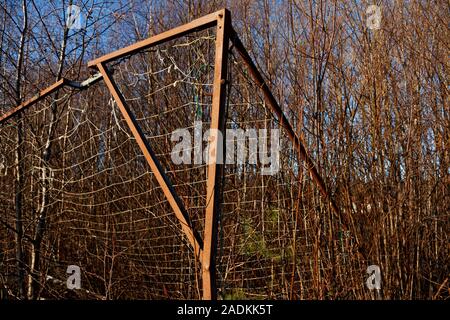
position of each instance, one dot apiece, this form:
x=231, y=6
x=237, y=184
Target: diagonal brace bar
x=163, y=180
x=298, y=143
x=41, y=95
x=49, y=90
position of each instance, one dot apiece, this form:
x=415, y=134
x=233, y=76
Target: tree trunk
x=19, y=155
x=34, y=278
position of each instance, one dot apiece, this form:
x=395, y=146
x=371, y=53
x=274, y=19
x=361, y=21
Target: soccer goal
x=172, y=173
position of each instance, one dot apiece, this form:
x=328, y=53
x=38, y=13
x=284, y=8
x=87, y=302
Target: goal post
x=211, y=192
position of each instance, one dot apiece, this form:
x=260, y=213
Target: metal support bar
x=164, y=181
x=297, y=141
x=44, y=93
x=41, y=95
x=215, y=170
x=197, y=25
x=86, y=83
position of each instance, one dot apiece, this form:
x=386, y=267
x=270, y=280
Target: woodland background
x=371, y=105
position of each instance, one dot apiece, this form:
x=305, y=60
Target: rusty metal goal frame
x=204, y=247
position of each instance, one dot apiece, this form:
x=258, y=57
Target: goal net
x=75, y=189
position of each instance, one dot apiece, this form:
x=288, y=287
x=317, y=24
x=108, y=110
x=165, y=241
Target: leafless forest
x=371, y=106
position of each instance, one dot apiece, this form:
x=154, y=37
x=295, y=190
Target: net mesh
x=278, y=238
x=85, y=182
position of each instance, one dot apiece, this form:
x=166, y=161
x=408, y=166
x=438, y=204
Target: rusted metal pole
x=215, y=169
x=197, y=25
x=296, y=140
x=41, y=95
x=47, y=91
x=166, y=186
